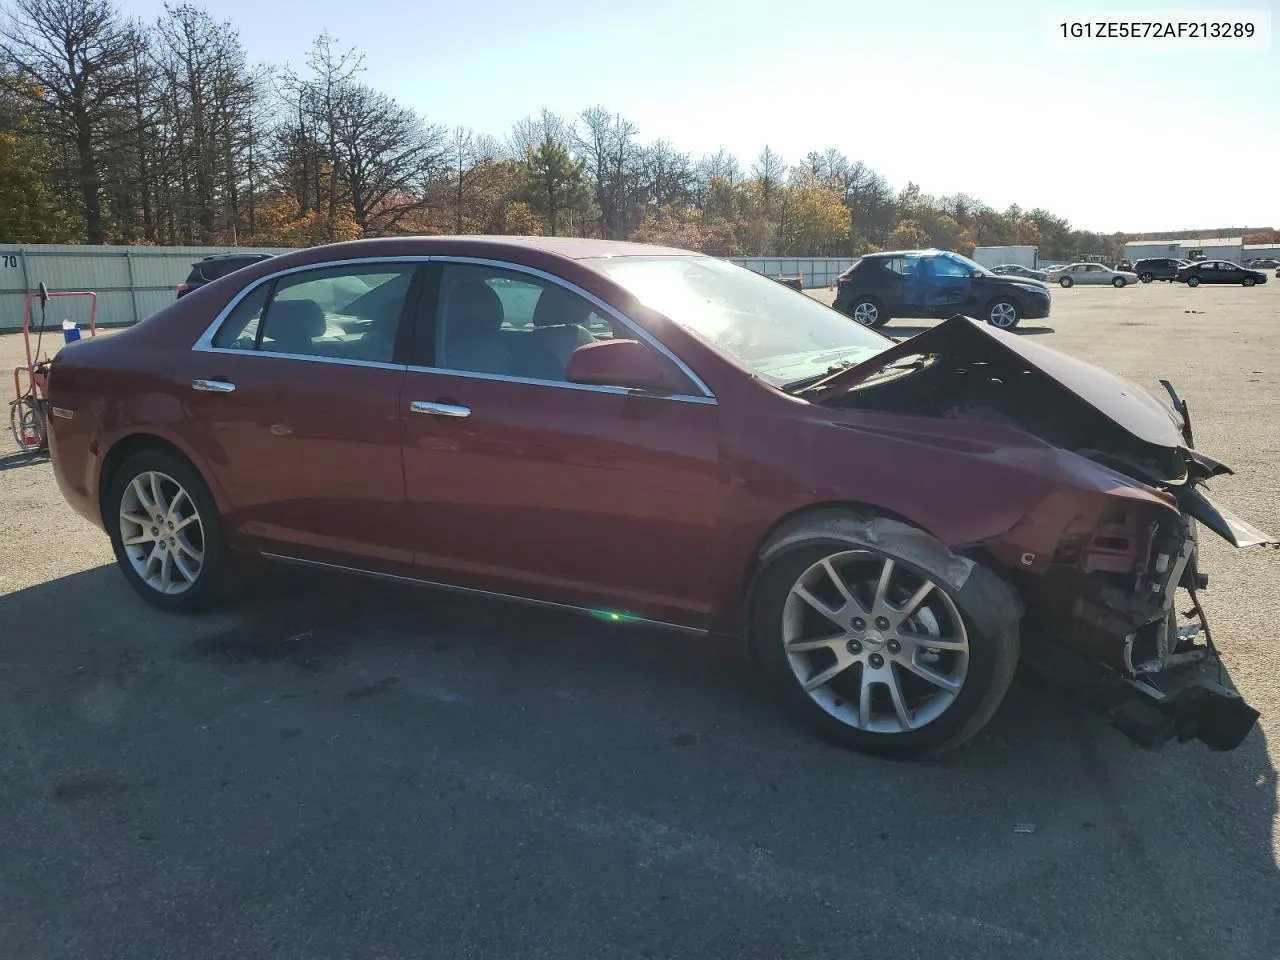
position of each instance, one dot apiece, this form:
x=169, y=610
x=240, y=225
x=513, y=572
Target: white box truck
x=995, y=256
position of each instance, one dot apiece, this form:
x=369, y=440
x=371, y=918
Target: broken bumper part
x=1189, y=703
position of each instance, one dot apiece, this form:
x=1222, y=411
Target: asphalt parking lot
x=341, y=768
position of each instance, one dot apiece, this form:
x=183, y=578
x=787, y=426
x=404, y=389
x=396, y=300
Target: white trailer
x=995, y=256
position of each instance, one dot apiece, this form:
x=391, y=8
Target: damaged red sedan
x=656, y=436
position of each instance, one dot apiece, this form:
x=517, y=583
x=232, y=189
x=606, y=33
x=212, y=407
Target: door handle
x=212, y=386
x=439, y=409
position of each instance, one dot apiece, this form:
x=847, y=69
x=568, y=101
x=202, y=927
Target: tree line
x=119, y=131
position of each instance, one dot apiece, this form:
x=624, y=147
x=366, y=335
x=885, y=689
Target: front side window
x=341, y=313
x=783, y=336
x=946, y=267
x=508, y=323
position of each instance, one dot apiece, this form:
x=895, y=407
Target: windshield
x=781, y=335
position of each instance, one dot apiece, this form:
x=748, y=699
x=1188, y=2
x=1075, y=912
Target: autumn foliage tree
x=113, y=130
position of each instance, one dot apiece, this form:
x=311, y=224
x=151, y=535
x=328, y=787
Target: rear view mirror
x=615, y=363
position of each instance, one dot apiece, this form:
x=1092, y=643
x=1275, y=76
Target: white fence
x=813, y=271
x=134, y=282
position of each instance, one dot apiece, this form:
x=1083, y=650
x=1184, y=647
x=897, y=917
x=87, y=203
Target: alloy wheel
x=162, y=534
x=1003, y=315
x=875, y=644
x=866, y=313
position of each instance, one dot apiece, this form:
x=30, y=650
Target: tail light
x=843, y=279
x=183, y=288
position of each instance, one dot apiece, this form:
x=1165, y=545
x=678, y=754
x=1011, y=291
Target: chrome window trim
x=204, y=344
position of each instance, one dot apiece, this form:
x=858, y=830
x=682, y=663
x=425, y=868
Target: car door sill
x=607, y=615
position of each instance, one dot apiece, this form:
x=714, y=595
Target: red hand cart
x=29, y=411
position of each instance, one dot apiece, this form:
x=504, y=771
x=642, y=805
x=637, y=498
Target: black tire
x=1193, y=281
x=993, y=657
x=1003, y=302
x=215, y=576
x=1249, y=281
x=869, y=307
x=1066, y=282
x=1146, y=277
x=1118, y=282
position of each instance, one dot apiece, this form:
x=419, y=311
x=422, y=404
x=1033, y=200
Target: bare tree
x=75, y=53
x=768, y=170
x=386, y=154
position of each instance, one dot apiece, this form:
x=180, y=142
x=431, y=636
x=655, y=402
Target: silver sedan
x=1074, y=273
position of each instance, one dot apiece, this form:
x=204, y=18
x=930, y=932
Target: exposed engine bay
x=1121, y=587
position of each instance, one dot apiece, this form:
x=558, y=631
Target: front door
x=295, y=401
x=950, y=286
x=520, y=482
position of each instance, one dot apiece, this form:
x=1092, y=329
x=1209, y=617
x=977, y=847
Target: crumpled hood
x=966, y=369
x=1127, y=405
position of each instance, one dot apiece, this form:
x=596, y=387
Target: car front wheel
x=1003, y=314
x=1066, y=281
x=165, y=531
x=1249, y=281
x=1118, y=282
x=869, y=313
x=877, y=653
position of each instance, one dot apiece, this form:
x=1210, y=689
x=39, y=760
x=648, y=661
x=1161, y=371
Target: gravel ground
x=338, y=768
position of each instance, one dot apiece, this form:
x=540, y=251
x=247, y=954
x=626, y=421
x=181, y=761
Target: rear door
x=294, y=398
x=522, y=483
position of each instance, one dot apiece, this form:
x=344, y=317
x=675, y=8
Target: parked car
x=1125, y=266
x=935, y=283
x=1074, y=273
x=1263, y=263
x=1018, y=270
x=654, y=436
x=216, y=266
x=1219, y=271
x=1158, y=268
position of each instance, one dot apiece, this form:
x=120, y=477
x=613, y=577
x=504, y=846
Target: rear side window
x=345, y=313
x=240, y=330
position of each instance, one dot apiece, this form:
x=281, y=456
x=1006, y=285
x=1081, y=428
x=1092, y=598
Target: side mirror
x=44, y=294
x=615, y=363
x=974, y=274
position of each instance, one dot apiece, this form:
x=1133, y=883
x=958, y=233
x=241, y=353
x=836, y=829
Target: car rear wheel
x=1066, y=281
x=1003, y=314
x=165, y=531
x=1193, y=281
x=1249, y=281
x=869, y=312
x=1145, y=277
x=1118, y=282
x=875, y=652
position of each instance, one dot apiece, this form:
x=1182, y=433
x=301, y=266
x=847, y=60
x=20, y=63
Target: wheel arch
x=993, y=597
x=127, y=445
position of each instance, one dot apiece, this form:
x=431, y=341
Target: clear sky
x=957, y=96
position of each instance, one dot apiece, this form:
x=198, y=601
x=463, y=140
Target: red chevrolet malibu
x=667, y=438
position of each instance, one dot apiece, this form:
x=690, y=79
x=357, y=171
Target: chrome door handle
x=212, y=386
x=439, y=409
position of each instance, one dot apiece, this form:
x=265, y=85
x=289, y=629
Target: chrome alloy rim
x=162, y=534
x=1003, y=315
x=866, y=314
x=873, y=643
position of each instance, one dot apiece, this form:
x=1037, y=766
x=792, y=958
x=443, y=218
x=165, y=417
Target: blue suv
x=936, y=284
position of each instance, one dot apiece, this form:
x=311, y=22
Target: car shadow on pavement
x=12, y=461
x=617, y=733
